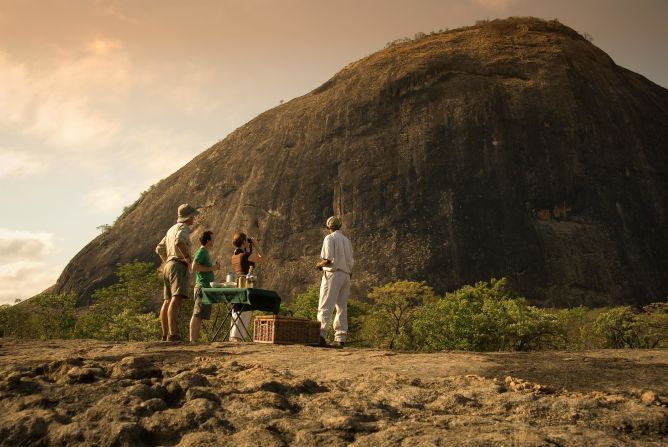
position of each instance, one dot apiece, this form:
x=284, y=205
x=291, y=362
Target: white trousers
x=334, y=292
x=237, y=329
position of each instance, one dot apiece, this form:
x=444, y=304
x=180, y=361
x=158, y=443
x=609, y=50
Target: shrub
x=653, y=326
x=128, y=326
x=576, y=328
x=483, y=317
x=622, y=327
x=305, y=304
x=391, y=311
x=618, y=328
x=46, y=316
x=120, y=310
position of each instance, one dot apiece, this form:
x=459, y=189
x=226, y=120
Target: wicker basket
x=285, y=330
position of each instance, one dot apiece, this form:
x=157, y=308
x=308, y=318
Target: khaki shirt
x=167, y=246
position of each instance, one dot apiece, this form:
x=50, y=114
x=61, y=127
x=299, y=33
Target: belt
x=336, y=271
x=178, y=260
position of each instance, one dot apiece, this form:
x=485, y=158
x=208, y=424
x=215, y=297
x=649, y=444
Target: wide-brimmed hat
x=334, y=223
x=186, y=212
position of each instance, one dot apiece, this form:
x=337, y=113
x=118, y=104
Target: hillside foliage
x=402, y=315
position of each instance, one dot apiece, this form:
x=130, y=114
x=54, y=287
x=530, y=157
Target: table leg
x=228, y=316
x=238, y=322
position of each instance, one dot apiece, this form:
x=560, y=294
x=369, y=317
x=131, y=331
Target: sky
x=101, y=99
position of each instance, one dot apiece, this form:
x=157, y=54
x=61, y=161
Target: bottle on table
x=250, y=278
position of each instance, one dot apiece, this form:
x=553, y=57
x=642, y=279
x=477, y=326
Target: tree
x=622, y=327
x=653, y=325
x=575, y=328
x=55, y=315
x=5, y=311
x=618, y=327
x=483, y=317
x=305, y=304
x=128, y=326
x=45, y=316
x=123, y=311
x=392, y=309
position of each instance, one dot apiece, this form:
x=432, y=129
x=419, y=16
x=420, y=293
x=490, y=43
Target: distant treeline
x=403, y=315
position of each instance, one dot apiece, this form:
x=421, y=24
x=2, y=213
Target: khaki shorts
x=176, y=279
x=200, y=309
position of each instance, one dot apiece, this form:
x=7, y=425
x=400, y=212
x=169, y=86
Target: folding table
x=240, y=300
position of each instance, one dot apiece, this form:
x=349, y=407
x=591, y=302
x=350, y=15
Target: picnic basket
x=285, y=330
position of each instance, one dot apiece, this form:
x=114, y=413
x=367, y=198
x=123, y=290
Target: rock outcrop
x=514, y=148
x=226, y=394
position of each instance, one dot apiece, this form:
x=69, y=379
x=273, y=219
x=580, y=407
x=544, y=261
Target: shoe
x=323, y=343
x=164, y=338
x=236, y=340
x=173, y=338
x=339, y=344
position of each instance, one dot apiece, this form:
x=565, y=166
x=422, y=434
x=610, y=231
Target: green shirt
x=202, y=258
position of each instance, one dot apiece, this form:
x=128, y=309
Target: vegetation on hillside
x=403, y=315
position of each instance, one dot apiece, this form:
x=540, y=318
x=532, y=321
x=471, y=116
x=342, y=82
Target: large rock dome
x=512, y=148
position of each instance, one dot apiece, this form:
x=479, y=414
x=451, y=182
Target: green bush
x=123, y=311
x=487, y=316
x=577, y=328
x=305, y=305
x=622, y=327
x=391, y=311
x=483, y=317
x=618, y=327
x=46, y=317
x=653, y=326
x=128, y=326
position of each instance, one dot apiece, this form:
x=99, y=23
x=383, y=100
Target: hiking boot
x=173, y=338
x=164, y=338
x=339, y=344
x=323, y=343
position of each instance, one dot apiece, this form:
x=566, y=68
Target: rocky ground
x=102, y=393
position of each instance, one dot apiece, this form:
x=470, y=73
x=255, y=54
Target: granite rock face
x=514, y=148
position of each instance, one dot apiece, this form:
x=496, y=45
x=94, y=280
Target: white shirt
x=338, y=249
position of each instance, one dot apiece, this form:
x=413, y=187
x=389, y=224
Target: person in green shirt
x=203, y=268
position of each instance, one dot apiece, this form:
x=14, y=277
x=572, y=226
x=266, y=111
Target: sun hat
x=186, y=212
x=334, y=223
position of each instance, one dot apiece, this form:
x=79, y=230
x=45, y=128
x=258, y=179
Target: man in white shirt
x=336, y=264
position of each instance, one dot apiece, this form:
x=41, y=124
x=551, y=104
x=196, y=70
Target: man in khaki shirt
x=174, y=249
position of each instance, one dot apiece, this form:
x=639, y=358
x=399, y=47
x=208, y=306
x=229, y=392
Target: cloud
x=103, y=47
x=494, y=4
x=157, y=153
x=66, y=101
x=19, y=164
x=24, y=269
x=25, y=279
x=24, y=246
x=14, y=96
x=93, y=102
x=187, y=94
x=108, y=200
x=113, y=10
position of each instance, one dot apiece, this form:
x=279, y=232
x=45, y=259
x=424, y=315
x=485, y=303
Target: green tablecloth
x=244, y=299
